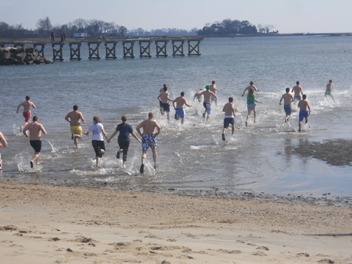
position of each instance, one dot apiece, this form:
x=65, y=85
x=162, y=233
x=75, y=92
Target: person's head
x=251, y=83
x=35, y=118
x=207, y=87
x=27, y=98
x=304, y=96
x=150, y=115
x=124, y=119
x=200, y=89
x=287, y=90
x=164, y=86
x=182, y=94
x=96, y=120
x=297, y=82
x=230, y=99
x=330, y=81
x=75, y=107
x=212, y=82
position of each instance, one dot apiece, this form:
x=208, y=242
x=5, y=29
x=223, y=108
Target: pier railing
x=128, y=47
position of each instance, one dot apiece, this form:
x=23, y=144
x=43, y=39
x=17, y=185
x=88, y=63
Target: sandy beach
x=49, y=224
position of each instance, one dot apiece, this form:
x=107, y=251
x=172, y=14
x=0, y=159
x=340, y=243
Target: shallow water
x=264, y=157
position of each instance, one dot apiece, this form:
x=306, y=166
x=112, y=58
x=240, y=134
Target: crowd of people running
x=149, y=129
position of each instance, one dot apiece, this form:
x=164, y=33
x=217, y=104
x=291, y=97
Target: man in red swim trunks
x=27, y=107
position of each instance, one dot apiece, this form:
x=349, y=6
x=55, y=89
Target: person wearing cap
x=207, y=101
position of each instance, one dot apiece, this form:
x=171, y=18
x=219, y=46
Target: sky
x=287, y=16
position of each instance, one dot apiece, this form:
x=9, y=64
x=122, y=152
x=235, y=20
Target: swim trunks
x=327, y=93
x=207, y=106
x=303, y=114
x=288, y=109
x=76, y=130
x=251, y=107
x=165, y=107
x=27, y=116
x=36, y=145
x=180, y=113
x=148, y=141
x=297, y=98
x=228, y=121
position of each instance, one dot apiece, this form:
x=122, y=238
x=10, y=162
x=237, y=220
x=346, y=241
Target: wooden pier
x=128, y=47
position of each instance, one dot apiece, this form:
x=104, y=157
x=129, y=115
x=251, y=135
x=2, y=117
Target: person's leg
x=255, y=115
x=154, y=156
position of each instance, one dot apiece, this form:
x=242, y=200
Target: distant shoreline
x=347, y=34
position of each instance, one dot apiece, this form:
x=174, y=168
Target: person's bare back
x=229, y=109
x=74, y=118
x=35, y=130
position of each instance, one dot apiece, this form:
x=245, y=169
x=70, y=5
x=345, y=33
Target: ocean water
x=268, y=156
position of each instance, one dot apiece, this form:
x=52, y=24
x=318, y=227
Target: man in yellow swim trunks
x=74, y=118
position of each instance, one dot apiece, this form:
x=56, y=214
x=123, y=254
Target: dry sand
x=46, y=224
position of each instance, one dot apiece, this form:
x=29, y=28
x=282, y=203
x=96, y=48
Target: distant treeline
x=97, y=29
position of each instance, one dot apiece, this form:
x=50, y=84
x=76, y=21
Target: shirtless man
x=250, y=89
x=27, y=107
x=328, y=91
x=180, y=102
x=207, y=101
x=3, y=144
x=198, y=95
x=288, y=99
x=298, y=91
x=74, y=118
x=251, y=100
x=229, y=110
x=35, y=132
x=304, y=111
x=151, y=129
x=164, y=102
x=214, y=90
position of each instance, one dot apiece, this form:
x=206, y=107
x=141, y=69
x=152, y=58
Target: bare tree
x=44, y=25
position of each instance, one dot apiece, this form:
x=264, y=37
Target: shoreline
x=57, y=224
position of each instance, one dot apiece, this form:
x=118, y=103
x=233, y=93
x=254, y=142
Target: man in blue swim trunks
x=151, y=129
x=35, y=132
x=304, y=111
x=229, y=119
x=179, y=103
x=288, y=99
x=208, y=95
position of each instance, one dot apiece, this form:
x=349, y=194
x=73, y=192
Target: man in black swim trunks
x=35, y=132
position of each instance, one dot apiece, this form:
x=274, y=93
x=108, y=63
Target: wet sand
x=46, y=224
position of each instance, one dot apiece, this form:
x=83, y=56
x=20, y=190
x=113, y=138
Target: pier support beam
x=93, y=48
x=39, y=48
x=177, y=48
x=193, y=47
x=57, y=51
x=144, y=48
x=75, y=51
x=110, y=49
x=161, y=46
x=128, y=49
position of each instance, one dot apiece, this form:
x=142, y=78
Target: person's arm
x=282, y=97
x=308, y=108
x=43, y=129
x=244, y=91
x=18, y=107
x=67, y=117
x=82, y=118
x=159, y=97
x=138, y=128
x=213, y=94
x=112, y=135
x=135, y=136
x=24, y=131
x=173, y=103
x=3, y=142
x=158, y=128
x=33, y=105
x=104, y=134
x=187, y=104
